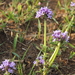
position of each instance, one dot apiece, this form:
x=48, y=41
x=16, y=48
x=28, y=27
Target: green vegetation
x=25, y=12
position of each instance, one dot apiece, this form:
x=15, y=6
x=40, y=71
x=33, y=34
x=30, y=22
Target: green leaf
x=54, y=43
x=72, y=54
x=2, y=43
x=33, y=73
x=71, y=45
x=16, y=54
x=15, y=41
x=19, y=7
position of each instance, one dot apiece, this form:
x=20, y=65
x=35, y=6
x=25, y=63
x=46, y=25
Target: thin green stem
x=31, y=70
x=44, y=32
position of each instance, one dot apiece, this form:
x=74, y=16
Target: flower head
x=8, y=66
x=72, y=4
x=44, y=11
x=39, y=60
x=60, y=36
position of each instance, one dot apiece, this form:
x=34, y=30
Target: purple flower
x=43, y=11
x=65, y=36
x=72, y=4
x=8, y=66
x=60, y=36
x=5, y=63
x=39, y=60
x=42, y=61
x=10, y=70
x=12, y=64
x=35, y=62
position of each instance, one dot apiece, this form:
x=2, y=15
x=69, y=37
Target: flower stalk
x=51, y=60
x=44, y=66
x=48, y=13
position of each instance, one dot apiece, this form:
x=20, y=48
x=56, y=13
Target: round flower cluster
x=60, y=36
x=8, y=66
x=39, y=60
x=72, y=4
x=43, y=11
